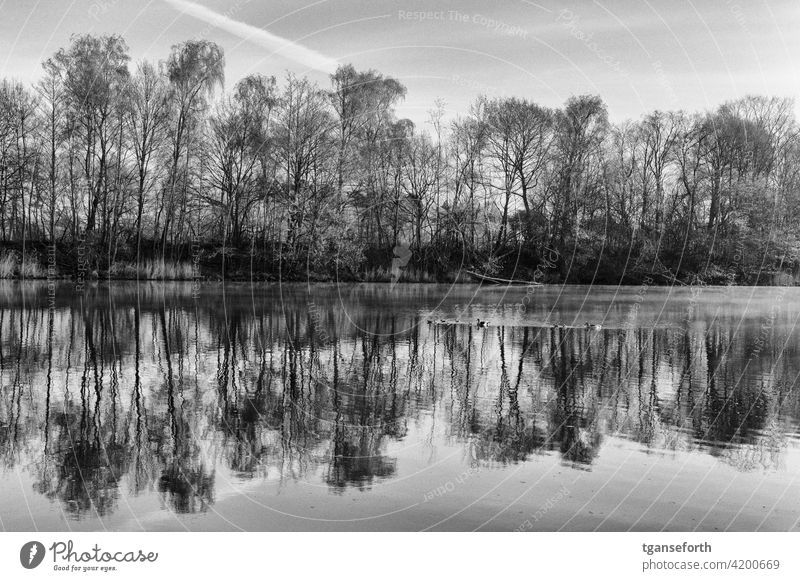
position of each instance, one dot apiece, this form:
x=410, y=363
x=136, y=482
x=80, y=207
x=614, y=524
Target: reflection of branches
x=364, y=416
x=187, y=488
x=272, y=397
x=356, y=459
x=87, y=464
x=762, y=454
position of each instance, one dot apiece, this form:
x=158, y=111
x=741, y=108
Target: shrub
x=8, y=264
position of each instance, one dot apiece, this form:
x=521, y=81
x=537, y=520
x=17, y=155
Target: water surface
x=339, y=407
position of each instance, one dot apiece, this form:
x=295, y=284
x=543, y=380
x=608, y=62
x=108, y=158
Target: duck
x=595, y=326
x=482, y=324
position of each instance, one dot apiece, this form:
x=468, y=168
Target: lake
x=169, y=406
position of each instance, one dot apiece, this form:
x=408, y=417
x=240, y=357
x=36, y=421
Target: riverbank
x=165, y=272
x=211, y=262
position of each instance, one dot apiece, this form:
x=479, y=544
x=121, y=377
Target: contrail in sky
x=282, y=46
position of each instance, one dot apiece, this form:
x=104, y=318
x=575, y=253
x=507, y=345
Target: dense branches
x=157, y=160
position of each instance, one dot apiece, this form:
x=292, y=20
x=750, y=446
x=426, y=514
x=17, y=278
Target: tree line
x=108, y=165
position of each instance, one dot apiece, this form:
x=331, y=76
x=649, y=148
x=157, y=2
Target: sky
x=639, y=55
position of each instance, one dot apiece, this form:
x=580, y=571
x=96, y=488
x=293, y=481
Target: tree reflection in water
x=144, y=389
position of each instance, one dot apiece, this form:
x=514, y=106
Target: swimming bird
x=595, y=326
x=482, y=323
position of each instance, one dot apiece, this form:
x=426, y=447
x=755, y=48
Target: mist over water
x=341, y=407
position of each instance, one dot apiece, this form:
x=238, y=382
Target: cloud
x=279, y=45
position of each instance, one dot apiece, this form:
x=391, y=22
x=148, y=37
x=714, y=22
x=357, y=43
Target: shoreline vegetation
x=235, y=268
x=115, y=169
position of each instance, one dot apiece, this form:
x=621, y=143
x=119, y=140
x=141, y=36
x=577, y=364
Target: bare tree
x=147, y=116
x=194, y=68
x=95, y=73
